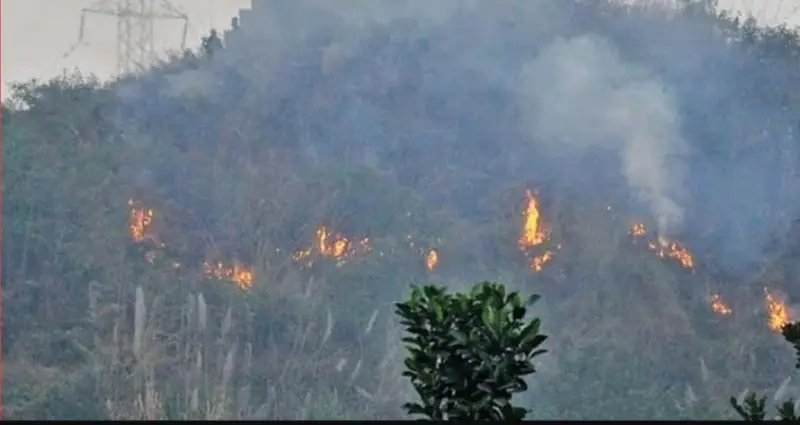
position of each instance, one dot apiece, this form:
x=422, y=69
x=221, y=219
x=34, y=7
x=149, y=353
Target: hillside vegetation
x=225, y=236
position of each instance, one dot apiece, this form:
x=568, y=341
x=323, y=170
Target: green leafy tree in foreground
x=752, y=408
x=468, y=353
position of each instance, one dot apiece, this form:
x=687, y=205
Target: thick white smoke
x=580, y=95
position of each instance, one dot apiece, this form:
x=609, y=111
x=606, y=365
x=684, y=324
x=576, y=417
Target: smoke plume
x=582, y=96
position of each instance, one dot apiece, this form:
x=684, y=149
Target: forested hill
x=223, y=236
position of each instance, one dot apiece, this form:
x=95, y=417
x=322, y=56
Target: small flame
x=720, y=306
x=672, y=249
x=238, y=274
x=665, y=248
x=533, y=232
x=538, y=262
x=777, y=311
x=334, y=246
x=432, y=259
x=140, y=220
x=638, y=230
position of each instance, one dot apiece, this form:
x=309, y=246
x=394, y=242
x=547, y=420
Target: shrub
x=469, y=352
x=752, y=408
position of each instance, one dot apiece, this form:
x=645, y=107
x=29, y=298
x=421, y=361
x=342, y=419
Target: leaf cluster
x=468, y=353
x=753, y=408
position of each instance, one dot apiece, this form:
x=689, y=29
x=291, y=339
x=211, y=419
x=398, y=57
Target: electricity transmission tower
x=135, y=35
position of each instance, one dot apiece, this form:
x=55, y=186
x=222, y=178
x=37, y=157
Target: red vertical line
x=1, y=220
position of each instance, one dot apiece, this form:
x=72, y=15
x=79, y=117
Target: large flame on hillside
x=778, y=314
x=534, y=232
x=336, y=246
x=665, y=248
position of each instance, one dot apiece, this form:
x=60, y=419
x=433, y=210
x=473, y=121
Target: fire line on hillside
x=531, y=241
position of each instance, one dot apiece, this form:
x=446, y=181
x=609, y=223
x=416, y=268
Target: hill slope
x=223, y=237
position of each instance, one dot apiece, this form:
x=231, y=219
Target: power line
x=135, y=23
x=65, y=55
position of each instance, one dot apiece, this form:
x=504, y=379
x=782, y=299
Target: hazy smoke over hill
x=535, y=93
x=584, y=96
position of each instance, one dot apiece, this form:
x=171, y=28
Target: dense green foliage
x=469, y=353
x=243, y=151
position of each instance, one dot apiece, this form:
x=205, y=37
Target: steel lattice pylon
x=135, y=22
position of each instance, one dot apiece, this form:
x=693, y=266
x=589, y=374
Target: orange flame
x=432, y=259
x=719, y=306
x=238, y=274
x=533, y=232
x=665, y=248
x=777, y=311
x=140, y=220
x=139, y=224
x=538, y=262
x=333, y=245
x=638, y=229
x=672, y=249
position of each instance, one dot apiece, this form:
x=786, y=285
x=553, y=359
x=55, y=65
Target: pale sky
x=37, y=33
